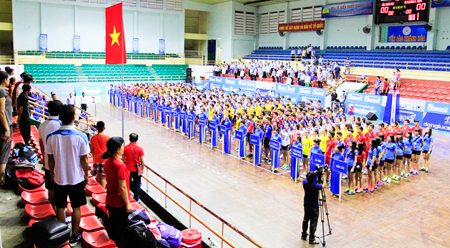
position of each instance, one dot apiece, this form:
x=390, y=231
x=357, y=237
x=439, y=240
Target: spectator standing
x=98, y=148
x=67, y=151
x=348, y=63
x=377, y=85
x=47, y=127
x=299, y=54
x=337, y=71
x=334, y=100
x=54, y=97
x=71, y=100
x=133, y=154
x=23, y=111
x=293, y=54
x=385, y=87
x=84, y=102
x=5, y=126
x=118, y=191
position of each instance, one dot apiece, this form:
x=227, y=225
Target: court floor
x=269, y=208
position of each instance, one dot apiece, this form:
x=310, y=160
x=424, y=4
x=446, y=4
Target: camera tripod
x=323, y=212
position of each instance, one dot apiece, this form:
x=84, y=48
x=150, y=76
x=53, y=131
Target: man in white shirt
x=48, y=126
x=67, y=151
x=71, y=100
x=84, y=101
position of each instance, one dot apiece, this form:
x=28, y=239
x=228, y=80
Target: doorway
x=211, y=52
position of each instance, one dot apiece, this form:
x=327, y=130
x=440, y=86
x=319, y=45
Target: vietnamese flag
x=115, y=36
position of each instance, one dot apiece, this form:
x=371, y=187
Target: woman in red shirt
x=118, y=192
x=385, y=87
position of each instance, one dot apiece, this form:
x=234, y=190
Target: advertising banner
x=440, y=3
x=76, y=44
x=436, y=121
x=396, y=34
x=411, y=109
x=43, y=43
x=135, y=45
x=347, y=9
x=365, y=103
x=162, y=46
x=91, y=90
x=301, y=26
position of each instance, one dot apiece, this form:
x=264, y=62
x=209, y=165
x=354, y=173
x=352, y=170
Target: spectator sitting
x=362, y=79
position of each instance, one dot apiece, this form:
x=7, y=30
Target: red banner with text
x=301, y=26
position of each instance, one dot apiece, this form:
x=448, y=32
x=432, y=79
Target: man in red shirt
x=331, y=143
x=380, y=129
x=348, y=140
x=133, y=154
x=369, y=136
x=405, y=128
x=416, y=126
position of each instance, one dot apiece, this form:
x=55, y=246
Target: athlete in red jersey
x=405, y=128
x=416, y=126
x=368, y=136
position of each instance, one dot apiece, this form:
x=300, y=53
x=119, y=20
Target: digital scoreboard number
x=401, y=11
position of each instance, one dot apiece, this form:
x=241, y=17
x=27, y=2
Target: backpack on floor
x=14, y=164
x=137, y=235
x=171, y=234
x=48, y=233
x=30, y=179
x=22, y=150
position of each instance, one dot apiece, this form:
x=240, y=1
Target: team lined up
x=388, y=154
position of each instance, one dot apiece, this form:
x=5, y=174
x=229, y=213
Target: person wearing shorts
x=417, y=148
x=267, y=136
x=48, y=126
x=67, y=150
x=98, y=147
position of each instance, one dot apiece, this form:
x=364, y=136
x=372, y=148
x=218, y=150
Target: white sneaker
x=365, y=171
x=344, y=176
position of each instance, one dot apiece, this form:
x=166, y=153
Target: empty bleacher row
x=56, y=73
x=95, y=55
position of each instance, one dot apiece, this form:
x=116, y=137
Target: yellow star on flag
x=115, y=37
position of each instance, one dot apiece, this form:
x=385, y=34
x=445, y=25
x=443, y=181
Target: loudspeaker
x=188, y=75
x=319, y=32
x=366, y=30
x=371, y=116
x=282, y=34
x=428, y=27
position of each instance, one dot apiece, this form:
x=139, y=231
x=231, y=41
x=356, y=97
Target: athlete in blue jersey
x=257, y=159
x=243, y=141
x=227, y=136
x=295, y=162
x=338, y=154
x=275, y=153
x=427, y=149
x=408, y=153
x=203, y=118
x=350, y=159
x=372, y=164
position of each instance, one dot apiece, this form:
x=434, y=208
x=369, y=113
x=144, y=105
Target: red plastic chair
x=34, y=198
x=97, y=239
x=86, y=210
x=38, y=189
x=98, y=199
x=94, y=189
x=90, y=224
x=39, y=212
x=136, y=206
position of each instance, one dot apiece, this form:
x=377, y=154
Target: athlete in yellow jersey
x=323, y=140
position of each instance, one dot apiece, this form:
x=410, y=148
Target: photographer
x=311, y=205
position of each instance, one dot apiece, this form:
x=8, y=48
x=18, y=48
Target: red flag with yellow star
x=115, y=36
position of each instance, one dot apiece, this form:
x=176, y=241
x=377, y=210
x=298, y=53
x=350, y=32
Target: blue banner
x=297, y=152
x=239, y=135
x=415, y=33
x=76, y=44
x=275, y=145
x=437, y=108
x=317, y=159
x=411, y=109
x=365, y=103
x=248, y=87
x=436, y=121
x=135, y=45
x=91, y=90
x=43, y=43
x=340, y=166
x=162, y=46
x=254, y=139
x=347, y=9
x=440, y=3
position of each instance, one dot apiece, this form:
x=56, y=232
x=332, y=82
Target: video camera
x=319, y=171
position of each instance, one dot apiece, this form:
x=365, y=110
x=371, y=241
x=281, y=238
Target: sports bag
x=171, y=234
x=48, y=233
x=14, y=164
x=22, y=150
x=137, y=235
x=30, y=179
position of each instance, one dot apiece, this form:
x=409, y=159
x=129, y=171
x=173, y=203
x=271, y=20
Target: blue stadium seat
x=382, y=48
x=408, y=48
x=414, y=48
x=377, y=48
x=403, y=48
x=419, y=48
x=448, y=47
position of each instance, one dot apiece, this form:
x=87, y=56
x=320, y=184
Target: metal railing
x=88, y=55
x=83, y=79
x=164, y=191
x=406, y=65
x=90, y=122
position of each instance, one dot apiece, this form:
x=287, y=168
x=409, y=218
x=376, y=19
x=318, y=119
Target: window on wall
x=273, y=22
x=317, y=13
x=152, y=4
x=296, y=15
x=174, y=5
x=264, y=24
x=307, y=14
x=280, y=18
x=91, y=1
x=250, y=22
x=129, y=3
x=239, y=23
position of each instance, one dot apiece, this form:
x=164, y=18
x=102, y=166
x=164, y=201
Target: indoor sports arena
x=224, y=123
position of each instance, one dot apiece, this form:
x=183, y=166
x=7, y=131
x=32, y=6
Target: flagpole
x=121, y=62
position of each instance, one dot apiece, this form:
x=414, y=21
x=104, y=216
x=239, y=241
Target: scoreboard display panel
x=401, y=11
